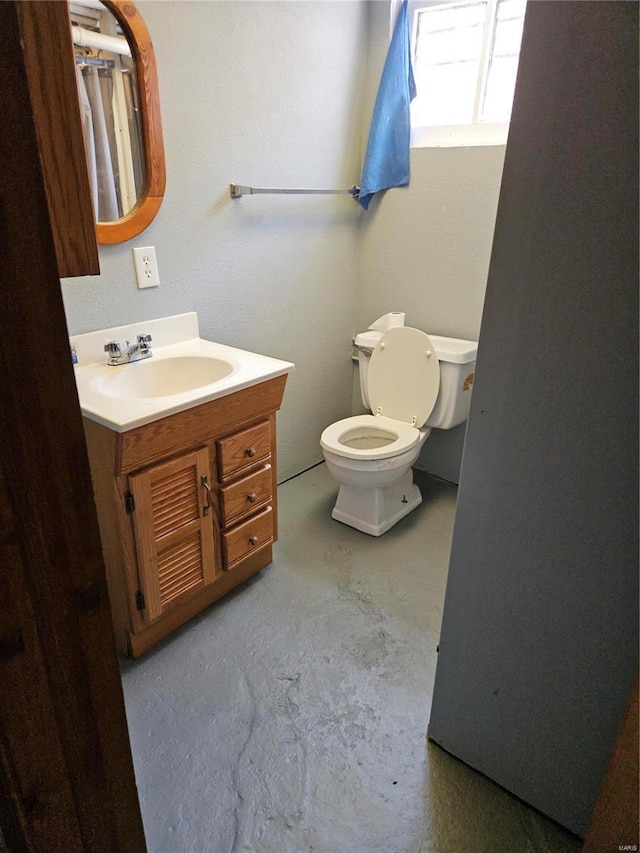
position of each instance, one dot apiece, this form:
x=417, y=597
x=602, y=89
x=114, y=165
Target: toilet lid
x=404, y=376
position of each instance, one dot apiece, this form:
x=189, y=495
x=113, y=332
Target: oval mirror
x=120, y=105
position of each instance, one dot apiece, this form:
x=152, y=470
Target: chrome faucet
x=132, y=352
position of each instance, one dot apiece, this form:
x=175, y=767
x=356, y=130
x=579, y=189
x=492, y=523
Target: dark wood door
x=66, y=774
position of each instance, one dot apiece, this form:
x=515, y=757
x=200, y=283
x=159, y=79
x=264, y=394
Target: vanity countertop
x=175, y=378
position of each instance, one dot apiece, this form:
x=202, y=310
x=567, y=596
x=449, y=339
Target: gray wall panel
x=539, y=640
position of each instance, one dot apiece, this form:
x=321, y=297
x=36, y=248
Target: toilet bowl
x=372, y=455
x=375, y=493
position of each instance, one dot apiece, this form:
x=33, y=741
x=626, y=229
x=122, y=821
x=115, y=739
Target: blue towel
x=386, y=163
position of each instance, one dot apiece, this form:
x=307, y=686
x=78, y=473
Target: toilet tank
x=457, y=360
x=457, y=368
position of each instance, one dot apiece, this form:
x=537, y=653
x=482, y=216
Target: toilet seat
x=395, y=437
x=404, y=376
x=403, y=384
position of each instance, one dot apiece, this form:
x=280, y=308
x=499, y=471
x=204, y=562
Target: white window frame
x=458, y=135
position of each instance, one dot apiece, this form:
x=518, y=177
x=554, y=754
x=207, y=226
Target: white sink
x=185, y=370
x=164, y=377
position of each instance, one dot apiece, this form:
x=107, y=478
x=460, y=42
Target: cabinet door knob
x=250, y=451
x=253, y=540
x=251, y=497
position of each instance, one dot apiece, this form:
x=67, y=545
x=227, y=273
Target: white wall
x=277, y=94
x=262, y=94
x=425, y=249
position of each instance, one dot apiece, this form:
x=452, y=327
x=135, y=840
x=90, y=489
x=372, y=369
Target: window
x=465, y=59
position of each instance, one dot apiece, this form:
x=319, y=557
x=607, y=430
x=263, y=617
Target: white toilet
x=411, y=382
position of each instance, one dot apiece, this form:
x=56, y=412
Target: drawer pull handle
x=250, y=452
x=253, y=540
x=205, y=482
x=251, y=497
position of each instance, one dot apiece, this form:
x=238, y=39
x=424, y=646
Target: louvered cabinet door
x=173, y=530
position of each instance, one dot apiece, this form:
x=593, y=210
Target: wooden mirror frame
x=147, y=206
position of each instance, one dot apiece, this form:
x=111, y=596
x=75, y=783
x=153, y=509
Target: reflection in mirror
x=117, y=86
x=109, y=107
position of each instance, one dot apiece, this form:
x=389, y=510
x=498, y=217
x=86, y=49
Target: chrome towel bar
x=237, y=191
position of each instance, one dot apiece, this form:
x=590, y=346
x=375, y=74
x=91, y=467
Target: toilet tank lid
x=453, y=350
x=367, y=339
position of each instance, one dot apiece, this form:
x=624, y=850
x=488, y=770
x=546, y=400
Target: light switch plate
x=146, y=264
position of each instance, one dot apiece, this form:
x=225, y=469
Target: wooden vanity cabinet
x=187, y=509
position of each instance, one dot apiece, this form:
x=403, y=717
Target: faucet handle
x=113, y=348
x=144, y=339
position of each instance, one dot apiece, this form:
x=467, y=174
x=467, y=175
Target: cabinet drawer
x=247, y=537
x=244, y=496
x=243, y=448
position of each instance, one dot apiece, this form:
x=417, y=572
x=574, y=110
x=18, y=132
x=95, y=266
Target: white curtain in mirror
x=113, y=140
x=95, y=111
x=109, y=100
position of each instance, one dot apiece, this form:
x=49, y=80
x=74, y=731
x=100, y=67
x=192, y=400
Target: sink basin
x=184, y=371
x=163, y=377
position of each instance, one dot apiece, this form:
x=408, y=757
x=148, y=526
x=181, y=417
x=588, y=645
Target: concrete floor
x=292, y=715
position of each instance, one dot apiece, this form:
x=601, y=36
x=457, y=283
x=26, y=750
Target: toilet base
x=374, y=511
